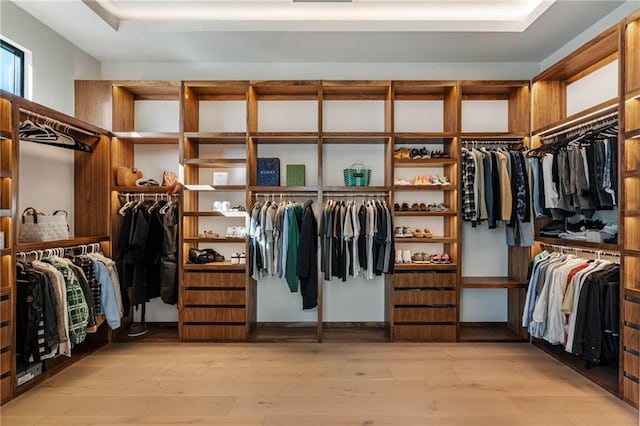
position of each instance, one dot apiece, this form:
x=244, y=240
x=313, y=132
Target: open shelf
x=423, y=162
x=285, y=138
x=283, y=189
x=214, y=240
x=212, y=138
x=60, y=243
x=148, y=137
x=142, y=189
x=355, y=137
x=6, y=251
x=348, y=189
x=632, y=213
x=412, y=138
x=215, y=214
x=284, y=333
x=577, y=244
x=633, y=134
x=492, y=136
x=424, y=188
x=604, y=376
x=215, y=266
x=219, y=163
x=5, y=173
x=424, y=266
x=5, y=135
x=594, y=112
x=433, y=240
x=203, y=188
x=490, y=282
x=424, y=214
x=488, y=332
x=633, y=95
x=633, y=173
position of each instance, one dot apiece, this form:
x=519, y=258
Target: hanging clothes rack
x=593, y=124
x=57, y=122
x=58, y=251
x=581, y=250
x=355, y=194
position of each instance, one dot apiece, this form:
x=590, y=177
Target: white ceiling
x=278, y=31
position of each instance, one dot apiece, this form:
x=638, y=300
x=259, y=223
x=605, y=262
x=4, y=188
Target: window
x=11, y=68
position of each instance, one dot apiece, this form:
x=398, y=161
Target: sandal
x=417, y=233
x=397, y=154
x=427, y=233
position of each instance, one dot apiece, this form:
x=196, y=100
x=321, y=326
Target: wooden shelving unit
x=491, y=282
x=578, y=244
x=141, y=189
x=425, y=214
x=61, y=243
x=148, y=137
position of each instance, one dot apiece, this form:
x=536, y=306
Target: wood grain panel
x=425, y=297
x=6, y=117
x=5, y=389
x=6, y=336
x=214, y=332
x=630, y=391
x=424, y=280
x=217, y=279
x=5, y=361
x=515, y=306
x=632, y=338
x=632, y=56
x=213, y=315
x=93, y=102
x=214, y=297
x=91, y=182
x=631, y=364
x=425, y=333
x=424, y=315
x=549, y=103
x=123, y=110
x=632, y=312
x=5, y=310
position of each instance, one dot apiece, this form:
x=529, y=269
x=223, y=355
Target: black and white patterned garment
x=88, y=267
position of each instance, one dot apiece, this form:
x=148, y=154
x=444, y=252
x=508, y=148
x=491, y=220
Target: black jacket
x=307, y=263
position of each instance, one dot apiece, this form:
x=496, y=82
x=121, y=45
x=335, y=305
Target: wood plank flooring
x=300, y=384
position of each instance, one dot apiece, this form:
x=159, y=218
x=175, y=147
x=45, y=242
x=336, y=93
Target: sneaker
x=217, y=206
x=243, y=258
x=137, y=329
x=400, y=182
x=235, y=259
x=444, y=258
x=397, y=232
x=406, y=256
x=225, y=206
x=398, y=256
x=406, y=232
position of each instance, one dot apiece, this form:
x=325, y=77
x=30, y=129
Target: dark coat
x=307, y=263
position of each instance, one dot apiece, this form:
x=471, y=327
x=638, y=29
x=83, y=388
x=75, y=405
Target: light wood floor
x=319, y=385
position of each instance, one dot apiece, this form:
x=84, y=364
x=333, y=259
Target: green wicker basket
x=357, y=175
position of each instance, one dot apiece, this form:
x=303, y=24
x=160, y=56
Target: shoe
x=397, y=232
x=414, y=154
x=398, y=256
x=427, y=233
x=422, y=207
x=241, y=232
x=406, y=256
x=424, y=153
x=416, y=258
x=243, y=258
x=137, y=329
x=441, y=207
x=405, y=153
x=396, y=207
x=400, y=182
x=443, y=180
x=406, y=232
x=231, y=231
x=418, y=180
x=417, y=233
x=226, y=206
x=235, y=259
x=217, y=206
x=237, y=209
x=405, y=207
x=436, y=258
x=444, y=258
x=432, y=181
x=415, y=207
x=397, y=154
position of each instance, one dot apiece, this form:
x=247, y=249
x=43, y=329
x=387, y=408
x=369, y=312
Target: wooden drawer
x=425, y=297
x=216, y=315
x=425, y=333
x=414, y=315
x=214, y=297
x=630, y=390
x=5, y=336
x=424, y=280
x=5, y=310
x=631, y=364
x=214, y=332
x=632, y=312
x=632, y=338
x=5, y=361
x=5, y=388
x=214, y=279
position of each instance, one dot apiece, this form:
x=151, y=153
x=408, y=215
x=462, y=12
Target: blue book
x=268, y=172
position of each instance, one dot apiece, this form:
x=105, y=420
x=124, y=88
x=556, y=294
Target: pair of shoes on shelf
x=225, y=206
x=415, y=207
x=401, y=182
x=403, y=256
x=420, y=258
x=239, y=258
x=236, y=232
x=402, y=153
x=437, y=207
x=431, y=180
x=439, y=154
x=440, y=258
x=204, y=256
x=402, y=232
x=208, y=234
x=422, y=233
x=419, y=153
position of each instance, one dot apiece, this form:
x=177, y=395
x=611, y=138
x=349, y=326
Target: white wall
x=46, y=173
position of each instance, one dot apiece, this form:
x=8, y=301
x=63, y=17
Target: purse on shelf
x=37, y=227
x=357, y=175
x=127, y=176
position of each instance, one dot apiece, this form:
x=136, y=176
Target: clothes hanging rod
x=284, y=194
x=493, y=142
x=588, y=125
x=60, y=123
x=355, y=195
x=91, y=248
x=582, y=250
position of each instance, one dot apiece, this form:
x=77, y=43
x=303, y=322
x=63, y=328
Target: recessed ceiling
x=364, y=31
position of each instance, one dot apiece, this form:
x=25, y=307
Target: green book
x=295, y=175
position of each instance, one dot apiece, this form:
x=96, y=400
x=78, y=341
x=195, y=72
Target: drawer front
x=214, y=332
x=424, y=280
x=630, y=390
x=5, y=310
x=632, y=312
x=425, y=333
x=214, y=279
x=5, y=388
x=425, y=297
x=632, y=338
x=414, y=315
x=631, y=364
x=214, y=297
x=5, y=361
x=5, y=336
x=216, y=315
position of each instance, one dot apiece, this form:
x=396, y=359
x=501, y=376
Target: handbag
x=38, y=228
x=127, y=176
x=357, y=175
